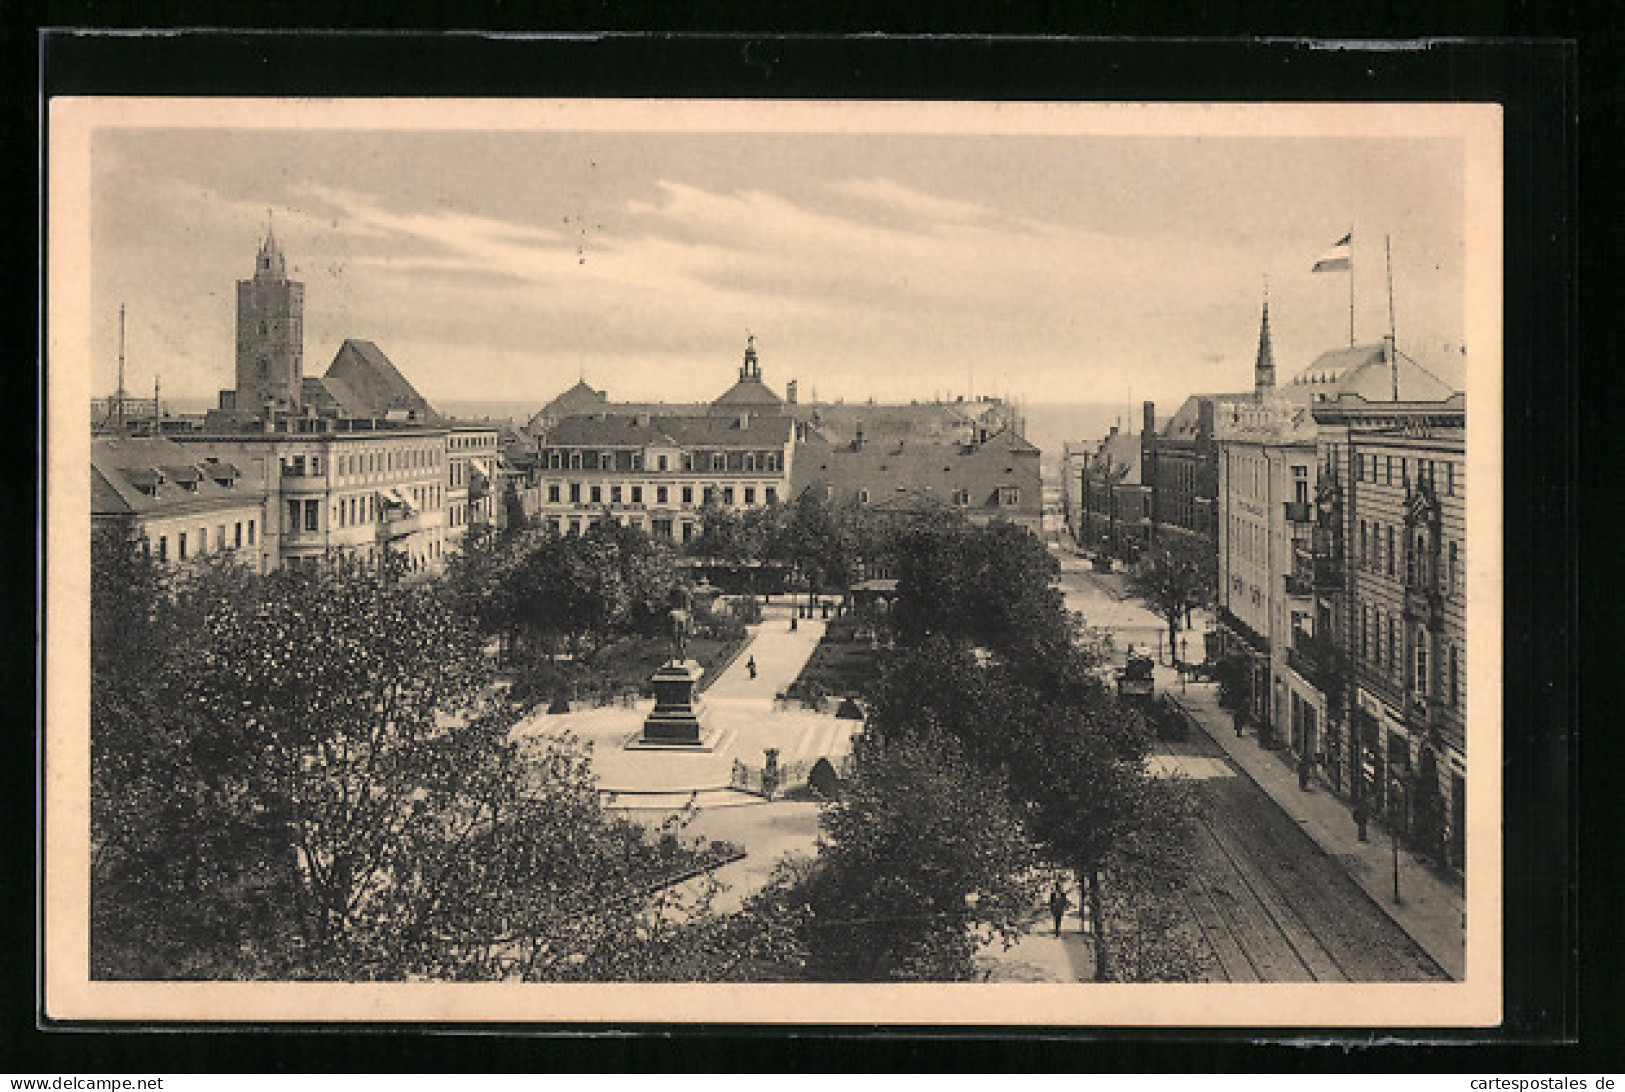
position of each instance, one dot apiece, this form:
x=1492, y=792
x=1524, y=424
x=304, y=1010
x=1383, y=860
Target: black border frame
x=1537, y=83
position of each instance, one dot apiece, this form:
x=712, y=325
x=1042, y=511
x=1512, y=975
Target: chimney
x=857, y=439
x=790, y=392
x=1150, y=425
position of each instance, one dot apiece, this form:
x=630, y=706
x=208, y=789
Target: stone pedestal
x=675, y=719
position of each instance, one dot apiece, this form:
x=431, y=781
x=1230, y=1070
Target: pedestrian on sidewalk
x=1241, y=723
x=1058, y=903
x=750, y=665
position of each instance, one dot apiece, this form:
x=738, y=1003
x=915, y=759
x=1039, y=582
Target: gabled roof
x=1187, y=421
x=151, y=475
x=371, y=385
x=634, y=430
x=893, y=468
x=1365, y=370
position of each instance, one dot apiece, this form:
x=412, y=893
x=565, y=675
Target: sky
x=503, y=265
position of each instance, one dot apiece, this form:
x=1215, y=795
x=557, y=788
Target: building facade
x=658, y=473
x=343, y=486
x=1116, y=505
x=994, y=478
x=181, y=504
x=270, y=337
x=474, y=478
x=1393, y=558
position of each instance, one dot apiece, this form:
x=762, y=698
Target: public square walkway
x=1040, y=955
x=1431, y=911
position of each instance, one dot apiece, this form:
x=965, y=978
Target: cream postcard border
x=71, y=995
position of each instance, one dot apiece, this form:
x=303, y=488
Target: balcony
x=1305, y=658
x=1299, y=512
x=1320, y=573
x=1298, y=587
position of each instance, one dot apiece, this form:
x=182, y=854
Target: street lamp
x=1184, y=661
x=1396, y=816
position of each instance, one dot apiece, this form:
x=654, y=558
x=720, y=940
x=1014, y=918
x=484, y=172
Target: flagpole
x=1351, y=286
x=1393, y=340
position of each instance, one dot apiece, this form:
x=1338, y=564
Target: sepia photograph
x=773, y=562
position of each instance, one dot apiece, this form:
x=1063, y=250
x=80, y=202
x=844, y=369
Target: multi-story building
x=344, y=486
x=1391, y=584
x=1115, y=503
x=181, y=505
x=988, y=478
x=657, y=473
x=474, y=478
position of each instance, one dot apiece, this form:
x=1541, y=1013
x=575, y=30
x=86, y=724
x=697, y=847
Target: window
x=315, y=464
x=237, y=535
x=688, y=498
x=598, y=494
x=772, y=461
x=575, y=460
x=251, y=532
x=552, y=492
x=750, y=495
x=181, y=540
x=661, y=494
x=615, y=494
x=719, y=461
x=661, y=462
x=1455, y=679
x=727, y=494
x=1421, y=664
x=1300, y=484
x=1449, y=479
x=1454, y=560
x=1393, y=644
x=688, y=464
x=962, y=497
x=313, y=516
x=750, y=461
x=1365, y=632
x=637, y=494
x=555, y=459
x=606, y=460
x=163, y=547
x=575, y=492
x=1363, y=554
x=1009, y=495
x=1390, y=551
x=863, y=496
x=772, y=495
x=575, y=527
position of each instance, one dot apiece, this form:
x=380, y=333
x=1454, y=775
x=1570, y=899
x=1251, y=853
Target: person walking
x=1058, y=903
x=750, y=665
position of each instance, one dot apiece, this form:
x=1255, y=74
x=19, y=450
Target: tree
x=921, y=860
x=1173, y=580
x=324, y=785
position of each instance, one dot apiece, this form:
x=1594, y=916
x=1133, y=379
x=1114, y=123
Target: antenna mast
x=119, y=412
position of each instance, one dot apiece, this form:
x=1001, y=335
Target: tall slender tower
x=1264, y=369
x=270, y=333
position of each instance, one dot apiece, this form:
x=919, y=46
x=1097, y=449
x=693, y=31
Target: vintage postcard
x=773, y=562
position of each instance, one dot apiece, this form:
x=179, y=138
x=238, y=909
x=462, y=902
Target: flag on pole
x=1340, y=256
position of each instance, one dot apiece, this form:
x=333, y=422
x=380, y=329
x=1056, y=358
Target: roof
x=144, y=475
x=1121, y=452
x=748, y=391
x=633, y=430
x=370, y=385
x=895, y=469
x=1365, y=370
x=839, y=421
x=1186, y=423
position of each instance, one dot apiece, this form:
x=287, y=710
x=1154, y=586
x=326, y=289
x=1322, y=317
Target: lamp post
x=1184, y=659
x=1396, y=816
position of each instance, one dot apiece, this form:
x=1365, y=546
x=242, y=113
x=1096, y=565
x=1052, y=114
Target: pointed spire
x=1264, y=369
x=270, y=262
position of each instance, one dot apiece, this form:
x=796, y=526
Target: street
x=1271, y=904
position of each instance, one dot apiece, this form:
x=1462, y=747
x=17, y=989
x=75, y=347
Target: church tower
x=1264, y=369
x=270, y=333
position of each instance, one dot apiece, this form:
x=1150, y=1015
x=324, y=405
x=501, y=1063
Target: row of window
x=1379, y=552
x=1380, y=647
x=470, y=442
x=1397, y=470
x=748, y=461
x=185, y=548
x=365, y=462
x=662, y=494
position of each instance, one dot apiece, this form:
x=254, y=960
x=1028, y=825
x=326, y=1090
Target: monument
x=675, y=721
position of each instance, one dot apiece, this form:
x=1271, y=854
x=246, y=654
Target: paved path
x=1040, y=955
x=779, y=653
x=1431, y=913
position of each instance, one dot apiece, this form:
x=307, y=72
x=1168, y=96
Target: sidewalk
x=1039, y=955
x=1432, y=910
